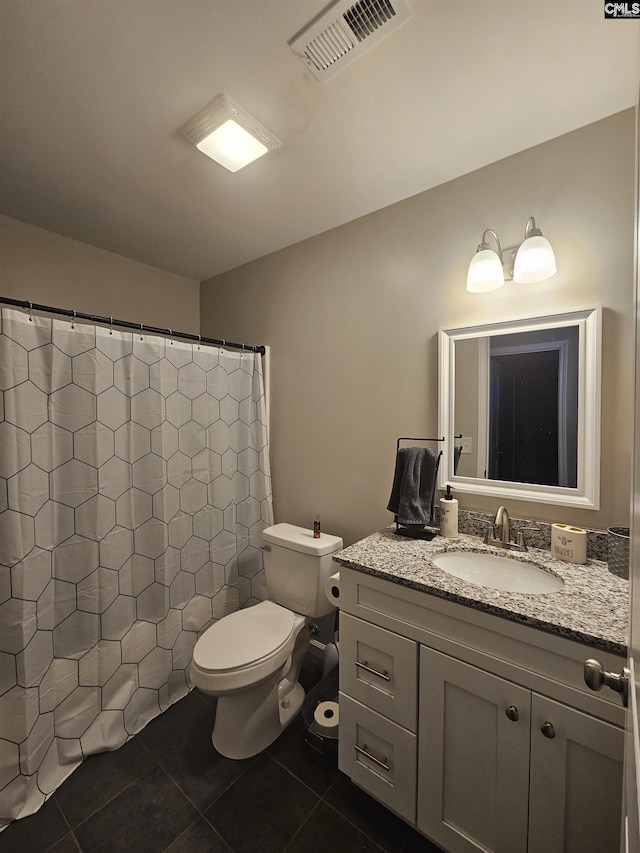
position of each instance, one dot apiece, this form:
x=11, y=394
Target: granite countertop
x=592, y=608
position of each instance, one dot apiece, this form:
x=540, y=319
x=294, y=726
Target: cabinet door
x=576, y=781
x=473, y=757
x=379, y=669
x=379, y=756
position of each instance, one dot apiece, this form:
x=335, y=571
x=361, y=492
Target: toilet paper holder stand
x=322, y=746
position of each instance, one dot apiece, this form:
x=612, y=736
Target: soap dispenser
x=448, y=515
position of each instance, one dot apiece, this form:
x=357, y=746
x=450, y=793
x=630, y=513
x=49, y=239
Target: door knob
x=596, y=676
x=512, y=713
x=548, y=730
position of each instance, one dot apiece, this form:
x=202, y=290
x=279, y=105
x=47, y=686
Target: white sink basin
x=498, y=572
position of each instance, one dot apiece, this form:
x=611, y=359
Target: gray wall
x=352, y=317
x=40, y=266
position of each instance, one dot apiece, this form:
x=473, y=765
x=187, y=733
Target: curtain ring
x=73, y=320
x=199, y=340
x=110, y=325
x=171, y=336
x=30, y=314
x=141, y=328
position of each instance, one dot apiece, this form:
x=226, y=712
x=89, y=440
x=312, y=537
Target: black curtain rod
x=126, y=324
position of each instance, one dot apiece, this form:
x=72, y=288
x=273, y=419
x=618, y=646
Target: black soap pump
x=448, y=514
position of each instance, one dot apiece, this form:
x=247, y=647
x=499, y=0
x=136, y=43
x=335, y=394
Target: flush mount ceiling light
x=229, y=135
x=532, y=261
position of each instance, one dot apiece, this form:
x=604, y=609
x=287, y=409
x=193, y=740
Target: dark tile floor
x=167, y=790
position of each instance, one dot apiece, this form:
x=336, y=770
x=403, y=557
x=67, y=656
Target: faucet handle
x=490, y=532
x=520, y=540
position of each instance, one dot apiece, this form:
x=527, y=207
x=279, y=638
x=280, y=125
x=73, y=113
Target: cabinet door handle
x=362, y=750
x=548, y=730
x=512, y=713
x=365, y=665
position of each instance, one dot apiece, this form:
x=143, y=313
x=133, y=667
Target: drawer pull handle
x=362, y=750
x=512, y=713
x=384, y=675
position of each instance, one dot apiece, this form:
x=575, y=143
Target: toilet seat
x=244, y=638
x=245, y=647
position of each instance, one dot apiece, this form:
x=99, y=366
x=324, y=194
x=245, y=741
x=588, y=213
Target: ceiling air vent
x=344, y=31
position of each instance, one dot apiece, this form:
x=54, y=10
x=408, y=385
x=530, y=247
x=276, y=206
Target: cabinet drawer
x=379, y=669
x=379, y=756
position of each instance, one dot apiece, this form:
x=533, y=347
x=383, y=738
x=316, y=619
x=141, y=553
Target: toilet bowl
x=250, y=660
x=243, y=660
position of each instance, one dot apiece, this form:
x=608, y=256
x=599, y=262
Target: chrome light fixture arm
x=530, y=229
x=484, y=245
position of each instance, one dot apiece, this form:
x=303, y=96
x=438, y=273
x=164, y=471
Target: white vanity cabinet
x=505, y=769
x=478, y=731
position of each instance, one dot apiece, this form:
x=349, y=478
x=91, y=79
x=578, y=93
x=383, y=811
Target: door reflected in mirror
x=519, y=407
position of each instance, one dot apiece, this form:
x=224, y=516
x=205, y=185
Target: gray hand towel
x=414, y=484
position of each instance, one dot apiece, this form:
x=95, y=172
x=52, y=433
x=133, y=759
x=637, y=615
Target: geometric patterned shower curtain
x=134, y=486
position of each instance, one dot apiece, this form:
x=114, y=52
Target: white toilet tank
x=296, y=567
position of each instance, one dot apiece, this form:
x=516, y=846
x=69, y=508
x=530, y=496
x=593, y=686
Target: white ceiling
x=94, y=92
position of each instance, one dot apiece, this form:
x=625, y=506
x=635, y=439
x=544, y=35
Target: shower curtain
x=134, y=486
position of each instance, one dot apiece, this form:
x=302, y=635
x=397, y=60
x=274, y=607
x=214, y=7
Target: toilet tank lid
x=301, y=539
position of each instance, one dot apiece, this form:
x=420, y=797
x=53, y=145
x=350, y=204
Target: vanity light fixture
x=532, y=261
x=229, y=135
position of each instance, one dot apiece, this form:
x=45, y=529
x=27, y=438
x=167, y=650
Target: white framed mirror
x=519, y=408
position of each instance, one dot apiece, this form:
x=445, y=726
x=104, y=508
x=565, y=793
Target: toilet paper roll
x=332, y=589
x=327, y=717
x=569, y=543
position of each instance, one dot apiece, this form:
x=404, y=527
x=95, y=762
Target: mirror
x=519, y=408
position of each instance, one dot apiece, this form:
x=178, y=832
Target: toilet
x=250, y=660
